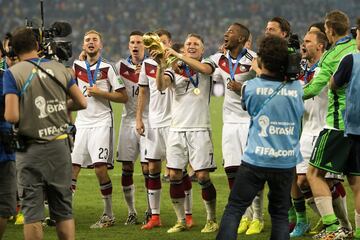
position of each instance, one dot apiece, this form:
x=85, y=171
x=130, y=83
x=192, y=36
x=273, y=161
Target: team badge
x=98, y=75
x=242, y=68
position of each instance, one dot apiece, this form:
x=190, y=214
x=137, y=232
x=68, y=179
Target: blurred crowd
x=116, y=19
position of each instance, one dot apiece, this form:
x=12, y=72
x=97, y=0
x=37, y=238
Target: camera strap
x=49, y=75
x=268, y=99
x=30, y=78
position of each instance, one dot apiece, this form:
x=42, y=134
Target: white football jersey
x=127, y=72
x=232, y=110
x=98, y=111
x=314, y=119
x=190, y=111
x=160, y=101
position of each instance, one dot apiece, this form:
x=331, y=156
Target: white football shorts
x=194, y=147
x=93, y=145
x=130, y=145
x=234, y=139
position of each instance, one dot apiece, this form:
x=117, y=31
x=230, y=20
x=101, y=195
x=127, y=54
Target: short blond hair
x=94, y=32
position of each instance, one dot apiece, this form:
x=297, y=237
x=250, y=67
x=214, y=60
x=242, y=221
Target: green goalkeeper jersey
x=327, y=66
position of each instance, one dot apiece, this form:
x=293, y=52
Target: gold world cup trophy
x=153, y=42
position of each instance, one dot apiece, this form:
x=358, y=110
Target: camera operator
x=7, y=157
x=348, y=74
x=273, y=148
x=35, y=92
x=280, y=27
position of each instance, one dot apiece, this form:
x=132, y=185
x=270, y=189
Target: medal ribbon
x=188, y=74
x=308, y=72
x=232, y=68
x=92, y=79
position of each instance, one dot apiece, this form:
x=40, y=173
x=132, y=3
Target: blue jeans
x=249, y=181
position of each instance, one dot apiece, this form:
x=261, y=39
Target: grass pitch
x=88, y=204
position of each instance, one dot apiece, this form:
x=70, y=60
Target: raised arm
x=320, y=80
x=162, y=81
x=193, y=63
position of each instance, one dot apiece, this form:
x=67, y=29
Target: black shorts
x=355, y=155
x=335, y=153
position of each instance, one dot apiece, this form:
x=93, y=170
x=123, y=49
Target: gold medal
x=196, y=91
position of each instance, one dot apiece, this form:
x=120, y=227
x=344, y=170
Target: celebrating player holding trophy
x=189, y=137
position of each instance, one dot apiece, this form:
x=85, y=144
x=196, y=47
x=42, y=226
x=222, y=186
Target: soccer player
x=273, y=148
x=93, y=148
x=314, y=45
x=234, y=69
x=160, y=104
x=189, y=137
x=129, y=70
x=331, y=149
x=40, y=111
x=348, y=74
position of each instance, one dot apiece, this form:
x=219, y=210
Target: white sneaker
x=104, y=222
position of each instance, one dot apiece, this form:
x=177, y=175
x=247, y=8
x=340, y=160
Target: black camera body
x=50, y=44
x=12, y=142
x=293, y=67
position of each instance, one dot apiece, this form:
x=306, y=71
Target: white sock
x=129, y=195
x=108, y=205
x=188, y=201
x=324, y=205
x=210, y=209
x=257, y=206
x=341, y=212
x=357, y=220
x=154, y=200
x=249, y=213
x=178, y=205
x=345, y=204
